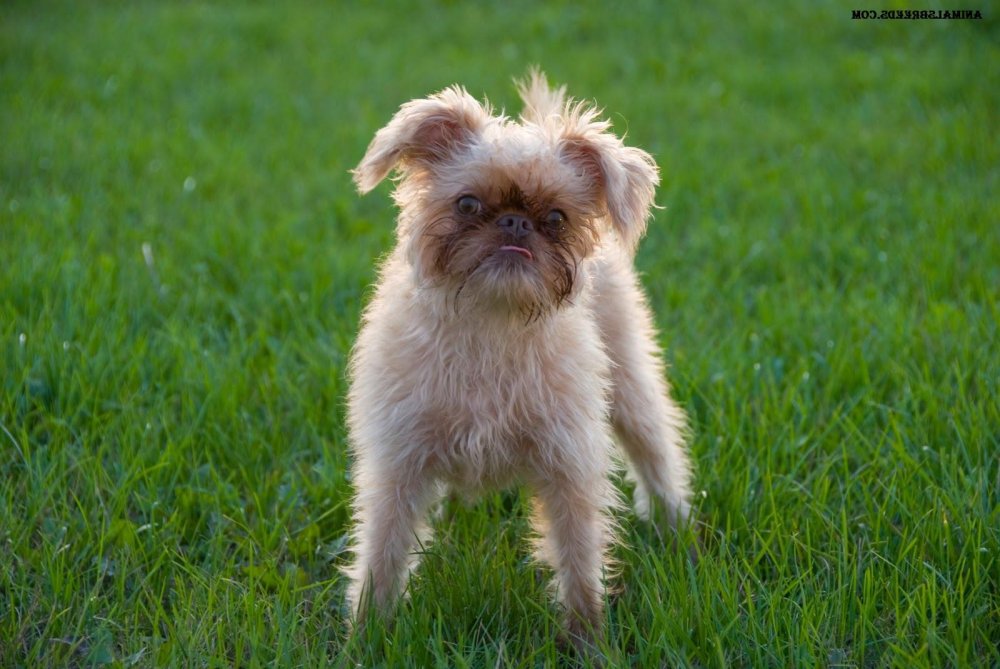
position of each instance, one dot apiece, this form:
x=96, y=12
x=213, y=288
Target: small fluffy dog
x=508, y=339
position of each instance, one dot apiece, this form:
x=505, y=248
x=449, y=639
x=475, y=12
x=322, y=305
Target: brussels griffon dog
x=508, y=340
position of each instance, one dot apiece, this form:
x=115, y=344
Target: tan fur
x=481, y=367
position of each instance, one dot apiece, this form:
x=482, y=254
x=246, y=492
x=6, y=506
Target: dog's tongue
x=518, y=249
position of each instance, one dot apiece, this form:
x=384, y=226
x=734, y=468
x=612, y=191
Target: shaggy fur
x=508, y=339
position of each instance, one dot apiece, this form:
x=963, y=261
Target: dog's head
x=501, y=211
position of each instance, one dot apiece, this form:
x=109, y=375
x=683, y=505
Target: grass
x=183, y=262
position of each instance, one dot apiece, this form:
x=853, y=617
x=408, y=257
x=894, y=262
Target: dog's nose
x=517, y=225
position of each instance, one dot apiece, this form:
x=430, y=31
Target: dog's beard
x=470, y=263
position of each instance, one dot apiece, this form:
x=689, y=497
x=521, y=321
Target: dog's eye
x=556, y=219
x=467, y=205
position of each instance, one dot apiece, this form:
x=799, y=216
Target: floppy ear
x=626, y=176
x=427, y=130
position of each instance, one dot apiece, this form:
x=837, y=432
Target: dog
x=508, y=340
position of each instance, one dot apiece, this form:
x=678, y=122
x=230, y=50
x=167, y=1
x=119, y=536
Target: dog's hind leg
x=650, y=427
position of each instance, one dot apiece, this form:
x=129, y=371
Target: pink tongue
x=517, y=249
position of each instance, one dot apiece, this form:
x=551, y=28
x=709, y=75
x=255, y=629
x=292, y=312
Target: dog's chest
x=490, y=404
x=481, y=395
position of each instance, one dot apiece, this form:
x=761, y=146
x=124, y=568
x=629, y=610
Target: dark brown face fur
x=460, y=245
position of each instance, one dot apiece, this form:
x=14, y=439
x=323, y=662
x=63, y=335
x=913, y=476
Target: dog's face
x=501, y=212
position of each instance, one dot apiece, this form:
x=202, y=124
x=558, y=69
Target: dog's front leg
x=573, y=518
x=389, y=518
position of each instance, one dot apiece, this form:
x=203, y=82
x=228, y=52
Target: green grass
x=826, y=273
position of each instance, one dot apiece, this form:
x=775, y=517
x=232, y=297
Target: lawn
x=183, y=261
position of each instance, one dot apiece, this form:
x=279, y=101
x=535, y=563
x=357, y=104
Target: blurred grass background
x=183, y=262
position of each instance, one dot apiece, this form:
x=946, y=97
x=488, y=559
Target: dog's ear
x=626, y=176
x=422, y=131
